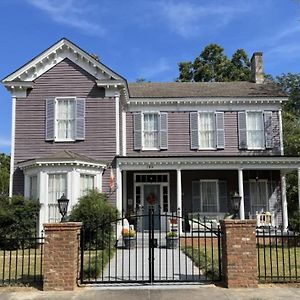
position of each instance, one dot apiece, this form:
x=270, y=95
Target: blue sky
x=147, y=38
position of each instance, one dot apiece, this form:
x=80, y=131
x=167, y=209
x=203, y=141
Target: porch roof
x=286, y=163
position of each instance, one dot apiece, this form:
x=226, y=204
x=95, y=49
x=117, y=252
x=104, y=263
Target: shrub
x=97, y=216
x=18, y=219
x=171, y=234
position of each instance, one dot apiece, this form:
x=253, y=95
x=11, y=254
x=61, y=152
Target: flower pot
x=171, y=242
x=129, y=242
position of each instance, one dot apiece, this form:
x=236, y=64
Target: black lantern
x=63, y=207
x=236, y=201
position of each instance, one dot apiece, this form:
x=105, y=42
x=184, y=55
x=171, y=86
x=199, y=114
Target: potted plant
x=129, y=238
x=171, y=240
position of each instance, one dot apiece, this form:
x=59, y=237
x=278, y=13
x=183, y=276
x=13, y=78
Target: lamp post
x=236, y=201
x=63, y=207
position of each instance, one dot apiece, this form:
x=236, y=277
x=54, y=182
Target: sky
x=146, y=38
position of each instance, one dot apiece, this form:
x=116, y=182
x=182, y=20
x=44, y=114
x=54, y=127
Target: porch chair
x=264, y=219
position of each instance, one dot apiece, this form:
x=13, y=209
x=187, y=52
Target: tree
x=4, y=173
x=213, y=65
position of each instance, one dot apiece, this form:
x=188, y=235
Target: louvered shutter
x=194, y=131
x=137, y=131
x=163, y=131
x=223, y=199
x=268, y=129
x=220, y=132
x=80, y=119
x=242, y=130
x=50, y=119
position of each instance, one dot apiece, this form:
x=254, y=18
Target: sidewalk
x=158, y=292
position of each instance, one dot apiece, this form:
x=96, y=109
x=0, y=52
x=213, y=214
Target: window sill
x=251, y=149
x=201, y=149
x=64, y=141
x=150, y=149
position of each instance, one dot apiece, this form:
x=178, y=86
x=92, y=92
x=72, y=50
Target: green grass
x=95, y=262
x=275, y=265
x=20, y=266
x=208, y=265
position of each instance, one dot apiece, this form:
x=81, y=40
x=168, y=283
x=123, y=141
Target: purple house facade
x=185, y=147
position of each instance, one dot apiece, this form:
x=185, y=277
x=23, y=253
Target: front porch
x=204, y=186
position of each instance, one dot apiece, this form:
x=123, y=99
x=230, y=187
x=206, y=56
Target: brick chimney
x=257, y=74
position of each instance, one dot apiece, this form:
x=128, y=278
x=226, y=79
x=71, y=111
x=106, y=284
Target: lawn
x=21, y=266
x=279, y=265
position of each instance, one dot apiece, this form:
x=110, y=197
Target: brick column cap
x=67, y=226
x=232, y=222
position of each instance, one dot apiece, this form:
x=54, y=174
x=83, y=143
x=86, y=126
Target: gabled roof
x=203, y=89
x=55, y=54
x=64, y=157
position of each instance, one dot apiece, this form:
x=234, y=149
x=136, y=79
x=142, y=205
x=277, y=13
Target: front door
x=152, y=198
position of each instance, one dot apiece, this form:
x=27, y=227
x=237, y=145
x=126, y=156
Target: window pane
x=57, y=185
x=65, y=119
x=255, y=130
x=206, y=130
x=86, y=183
x=151, y=131
x=209, y=196
x=33, y=187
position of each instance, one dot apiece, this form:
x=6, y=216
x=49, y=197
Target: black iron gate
x=148, y=247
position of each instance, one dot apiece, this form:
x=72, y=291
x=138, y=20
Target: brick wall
x=239, y=261
x=61, y=256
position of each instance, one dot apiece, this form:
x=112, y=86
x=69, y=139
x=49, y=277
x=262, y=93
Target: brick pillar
x=239, y=261
x=61, y=256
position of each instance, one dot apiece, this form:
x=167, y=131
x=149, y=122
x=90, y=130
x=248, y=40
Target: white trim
x=212, y=163
x=124, y=142
x=12, y=147
x=117, y=100
x=241, y=193
x=285, y=222
x=54, y=55
x=161, y=184
x=179, y=199
x=281, y=132
x=119, y=188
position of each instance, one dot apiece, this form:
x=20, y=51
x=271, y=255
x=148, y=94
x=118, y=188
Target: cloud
x=189, y=19
x=73, y=13
x=154, y=69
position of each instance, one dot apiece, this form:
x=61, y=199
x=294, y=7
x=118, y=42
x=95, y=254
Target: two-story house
x=182, y=147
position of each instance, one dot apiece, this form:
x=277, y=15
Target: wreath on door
x=151, y=199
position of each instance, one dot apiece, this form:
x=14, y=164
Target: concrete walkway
x=159, y=292
x=133, y=264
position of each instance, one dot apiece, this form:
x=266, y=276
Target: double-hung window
x=206, y=195
x=258, y=196
x=33, y=187
x=87, y=182
x=255, y=130
x=65, y=119
x=207, y=130
x=57, y=186
x=151, y=131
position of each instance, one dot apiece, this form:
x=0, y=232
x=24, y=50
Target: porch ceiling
x=286, y=163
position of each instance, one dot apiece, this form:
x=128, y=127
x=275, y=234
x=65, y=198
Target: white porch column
x=179, y=199
x=117, y=99
x=299, y=188
x=241, y=193
x=119, y=189
x=124, y=144
x=124, y=186
x=285, y=222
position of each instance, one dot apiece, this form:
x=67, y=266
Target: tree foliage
x=213, y=65
x=18, y=219
x=97, y=215
x=4, y=173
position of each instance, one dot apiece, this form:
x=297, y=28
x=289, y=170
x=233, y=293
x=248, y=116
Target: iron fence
x=278, y=255
x=21, y=260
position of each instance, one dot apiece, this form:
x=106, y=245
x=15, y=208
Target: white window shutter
x=268, y=129
x=50, y=119
x=137, y=131
x=194, y=131
x=163, y=132
x=80, y=119
x=242, y=128
x=220, y=132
